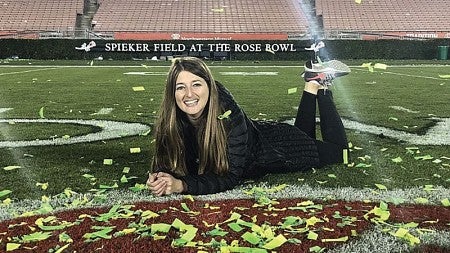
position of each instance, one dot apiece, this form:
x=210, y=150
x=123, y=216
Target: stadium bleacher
x=201, y=16
x=42, y=15
x=401, y=17
x=262, y=19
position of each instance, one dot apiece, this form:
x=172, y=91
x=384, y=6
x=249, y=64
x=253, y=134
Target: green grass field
x=402, y=98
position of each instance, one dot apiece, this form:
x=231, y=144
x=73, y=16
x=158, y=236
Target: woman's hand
x=161, y=183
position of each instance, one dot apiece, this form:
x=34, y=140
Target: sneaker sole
x=333, y=66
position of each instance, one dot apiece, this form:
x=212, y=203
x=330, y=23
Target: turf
x=76, y=90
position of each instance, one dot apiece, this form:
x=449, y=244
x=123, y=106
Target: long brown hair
x=212, y=137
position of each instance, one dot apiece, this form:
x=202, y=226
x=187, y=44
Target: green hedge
x=56, y=49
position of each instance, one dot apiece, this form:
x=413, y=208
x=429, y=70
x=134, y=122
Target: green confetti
x=445, y=202
x=422, y=158
x=160, y=227
x=102, y=186
x=12, y=246
x=345, y=156
x=217, y=232
x=107, y=161
x=225, y=115
x=103, y=233
x=41, y=113
x=316, y=249
x=36, y=237
x=397, y=160
x=235, y=227
x=363, y=165
x=341, y=239
x=4, y=193
x=275, y=242
x=11, y=167
x=138, y=187
x=139, y=88
x=126, y=170
x=292, y=90
x=251, y=238
x=135, y=150
x=312, y=235
x=381, y=187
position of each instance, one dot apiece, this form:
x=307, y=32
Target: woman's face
x=191, y=94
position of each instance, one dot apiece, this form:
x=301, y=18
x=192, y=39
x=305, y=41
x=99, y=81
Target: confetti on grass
x=13, y=167
x=41, y=113
x=238, y=226
x=135, y=150
x=138, y=88
x=107, y=161
x=292, y=90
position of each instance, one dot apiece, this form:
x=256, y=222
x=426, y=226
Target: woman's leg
x=331, y=125
x=334, y=147
x=306, y=114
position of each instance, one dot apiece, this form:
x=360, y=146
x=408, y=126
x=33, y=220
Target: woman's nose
x=188, y=92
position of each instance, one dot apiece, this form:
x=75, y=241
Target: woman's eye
x=179, y=87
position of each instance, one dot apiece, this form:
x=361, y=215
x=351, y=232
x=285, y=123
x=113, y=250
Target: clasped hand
x=162, y=183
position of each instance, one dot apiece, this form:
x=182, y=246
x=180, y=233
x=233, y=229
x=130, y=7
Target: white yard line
x=27, y=71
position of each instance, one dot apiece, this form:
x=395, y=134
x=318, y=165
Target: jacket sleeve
x=210, y=182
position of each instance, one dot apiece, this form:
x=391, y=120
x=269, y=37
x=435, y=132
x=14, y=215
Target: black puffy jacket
x=255, y=148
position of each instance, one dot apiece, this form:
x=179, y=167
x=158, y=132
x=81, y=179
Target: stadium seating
x=228, y=16
x=225, y=17
x=42, y=15
x=385, y=15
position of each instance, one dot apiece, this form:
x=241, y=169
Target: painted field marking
x=438, y=134
x=146, y=73
x=103, y=111
x=249, y=73
x=26, y=71
x=2, y=110
x=109, y=130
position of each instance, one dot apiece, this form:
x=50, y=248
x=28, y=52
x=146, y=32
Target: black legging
x=333, y=133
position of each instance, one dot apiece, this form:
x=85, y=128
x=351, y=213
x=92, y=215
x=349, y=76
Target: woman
x=206, y=144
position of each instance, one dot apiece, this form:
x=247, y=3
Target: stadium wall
x=54, y=49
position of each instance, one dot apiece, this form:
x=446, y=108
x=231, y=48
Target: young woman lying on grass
x=206, y=144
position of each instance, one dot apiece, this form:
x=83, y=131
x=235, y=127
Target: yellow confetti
x=7, y=201
x=189, y=197
x=225, y=115
x=358, y=1
x=43, y=186
x=11, y=167
x=345, y=156
x=138, y=88
x=292, y=90
x=135, y=150
x=12, y=246
x=41, y=113
x=107, y=161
